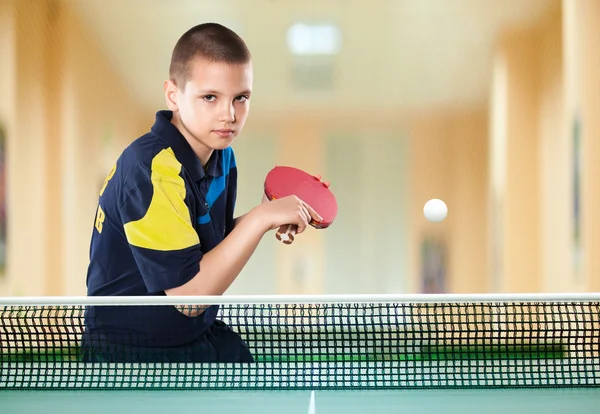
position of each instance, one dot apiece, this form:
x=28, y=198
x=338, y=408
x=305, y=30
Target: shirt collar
x=182, y=149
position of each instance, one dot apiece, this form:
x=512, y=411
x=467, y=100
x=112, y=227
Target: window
x=316, y=39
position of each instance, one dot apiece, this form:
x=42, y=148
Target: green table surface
x=489, y=401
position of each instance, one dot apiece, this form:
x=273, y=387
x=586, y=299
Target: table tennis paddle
x=284, y=181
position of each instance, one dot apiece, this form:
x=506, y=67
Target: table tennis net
x=307, y=346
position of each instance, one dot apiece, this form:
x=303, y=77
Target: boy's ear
x=171, y=95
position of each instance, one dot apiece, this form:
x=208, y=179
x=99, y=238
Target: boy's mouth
x=224, y=133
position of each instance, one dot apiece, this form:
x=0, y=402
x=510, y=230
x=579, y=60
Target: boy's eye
x=212, y=98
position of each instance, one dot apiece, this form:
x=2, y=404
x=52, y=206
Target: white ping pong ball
x=435, y=210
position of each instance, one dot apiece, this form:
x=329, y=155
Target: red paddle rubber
x=282, y=181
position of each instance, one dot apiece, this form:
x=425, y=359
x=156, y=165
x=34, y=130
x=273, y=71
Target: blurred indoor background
x=492, y=106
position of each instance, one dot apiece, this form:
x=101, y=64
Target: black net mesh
x=305, y=346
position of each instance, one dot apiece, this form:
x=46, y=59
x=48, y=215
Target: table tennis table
x=494, y=401
x=326, y=354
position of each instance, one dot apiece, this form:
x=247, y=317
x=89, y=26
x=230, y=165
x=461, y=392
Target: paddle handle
x=286, y=233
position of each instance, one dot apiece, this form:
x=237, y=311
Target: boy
x=164, y=223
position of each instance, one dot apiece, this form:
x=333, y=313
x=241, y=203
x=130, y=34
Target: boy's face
x=212, y=109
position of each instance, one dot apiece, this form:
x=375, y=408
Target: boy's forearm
x=220, y=266
x=237, y=220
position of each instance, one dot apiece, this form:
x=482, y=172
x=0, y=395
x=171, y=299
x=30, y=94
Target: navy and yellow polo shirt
x=159, y=211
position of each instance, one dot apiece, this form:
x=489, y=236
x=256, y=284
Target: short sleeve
x=158, y=226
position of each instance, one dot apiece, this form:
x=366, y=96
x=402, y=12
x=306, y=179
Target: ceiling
x=395, y=53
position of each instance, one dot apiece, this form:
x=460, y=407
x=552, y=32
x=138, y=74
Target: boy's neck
x=202, y=152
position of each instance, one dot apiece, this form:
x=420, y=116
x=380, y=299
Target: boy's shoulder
x=136, y=164
x=143, y=150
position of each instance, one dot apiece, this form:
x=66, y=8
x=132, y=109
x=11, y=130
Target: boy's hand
x=286, y=211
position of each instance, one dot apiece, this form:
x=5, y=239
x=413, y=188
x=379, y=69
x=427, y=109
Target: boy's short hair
x=210, y=41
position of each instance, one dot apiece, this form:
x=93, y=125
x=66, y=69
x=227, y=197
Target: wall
x=7, y=92
x=555, y=162
x=65, y=99
x=365, y=157
x=582, y=100
x=448, y=160
x=543, y=84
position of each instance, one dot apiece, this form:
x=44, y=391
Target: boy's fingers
x=312, y=213
x=305, y=216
